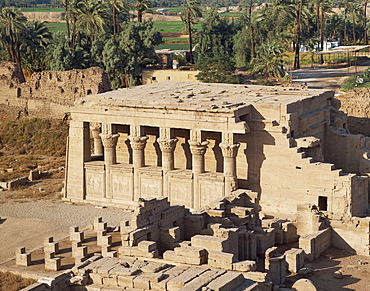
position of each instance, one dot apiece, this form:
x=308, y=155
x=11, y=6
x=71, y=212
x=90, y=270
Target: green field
x=173, y=46
x=173, y=26
x=57, y=26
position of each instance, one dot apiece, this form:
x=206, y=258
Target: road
x=326, y=78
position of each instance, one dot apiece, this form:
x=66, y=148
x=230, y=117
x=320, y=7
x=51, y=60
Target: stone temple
x=194, y=143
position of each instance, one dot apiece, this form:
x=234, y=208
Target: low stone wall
x=315, y=244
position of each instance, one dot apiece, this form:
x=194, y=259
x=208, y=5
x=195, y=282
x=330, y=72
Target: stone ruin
x=47, y=94
x=162, y=247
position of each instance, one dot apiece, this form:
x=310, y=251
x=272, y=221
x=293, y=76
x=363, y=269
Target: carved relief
x=195, y=135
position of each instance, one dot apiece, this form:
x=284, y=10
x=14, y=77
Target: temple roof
x=198, y=96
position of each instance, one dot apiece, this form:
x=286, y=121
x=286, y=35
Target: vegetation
x=102, y=33
x=34, y=137
x=12, y=282
x=357, y=81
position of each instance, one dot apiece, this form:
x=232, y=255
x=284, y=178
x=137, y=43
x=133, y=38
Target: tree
x=269, y=60
x=355, y=12
x=142, y=6
x=188, y=15
x=217, y=67
x=126, y=54
x=12, y=33
x=92, y=18
x=116, y=7
x=215, y=50
x=323, y=7
x=37, y=38
x=61, y=57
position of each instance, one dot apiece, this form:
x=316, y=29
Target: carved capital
x=138, y=142
x=109, y=140
x=198, y=148
x=167, y=145
x=229, y=150
x=95, y=131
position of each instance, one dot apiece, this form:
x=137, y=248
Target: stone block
x=34, y=175
x=53, y=264
x=221, y=260
x=79, y=251
x=257, y=276
x=105, y=240
x=51, y=247
x=168, y=274
x=202, y=280
x=111, y=280
x=22, y=258
x=210, y=243
x=228, y=281
x=244, y=266
x=185, y=277
x=295, y=259
x=76, y=236
x=142, y=283
x=147, y=246
x=79, y=260
x=277, y=269
x=96, y=278
x=126, y=281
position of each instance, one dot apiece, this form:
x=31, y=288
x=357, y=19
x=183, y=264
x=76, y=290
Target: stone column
x=229, y=152
x=167, y=147
x=198, y=149
x=138, y=143
x=98, y=145
x=109, y=141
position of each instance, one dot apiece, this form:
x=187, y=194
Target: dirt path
x=326, y=78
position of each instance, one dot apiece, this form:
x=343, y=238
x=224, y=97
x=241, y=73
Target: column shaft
x=98, y=145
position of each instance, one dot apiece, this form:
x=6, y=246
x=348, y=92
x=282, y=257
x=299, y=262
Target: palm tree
x=355, y=12
x=12, y=33
x=322, y=7
x=118, y=6
x=37, y=38
x=66, y=12
x=190, y=13
x=269, y=60
x=142, y=6
x=92, y=17
x=365, y=18
x=296, y=64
